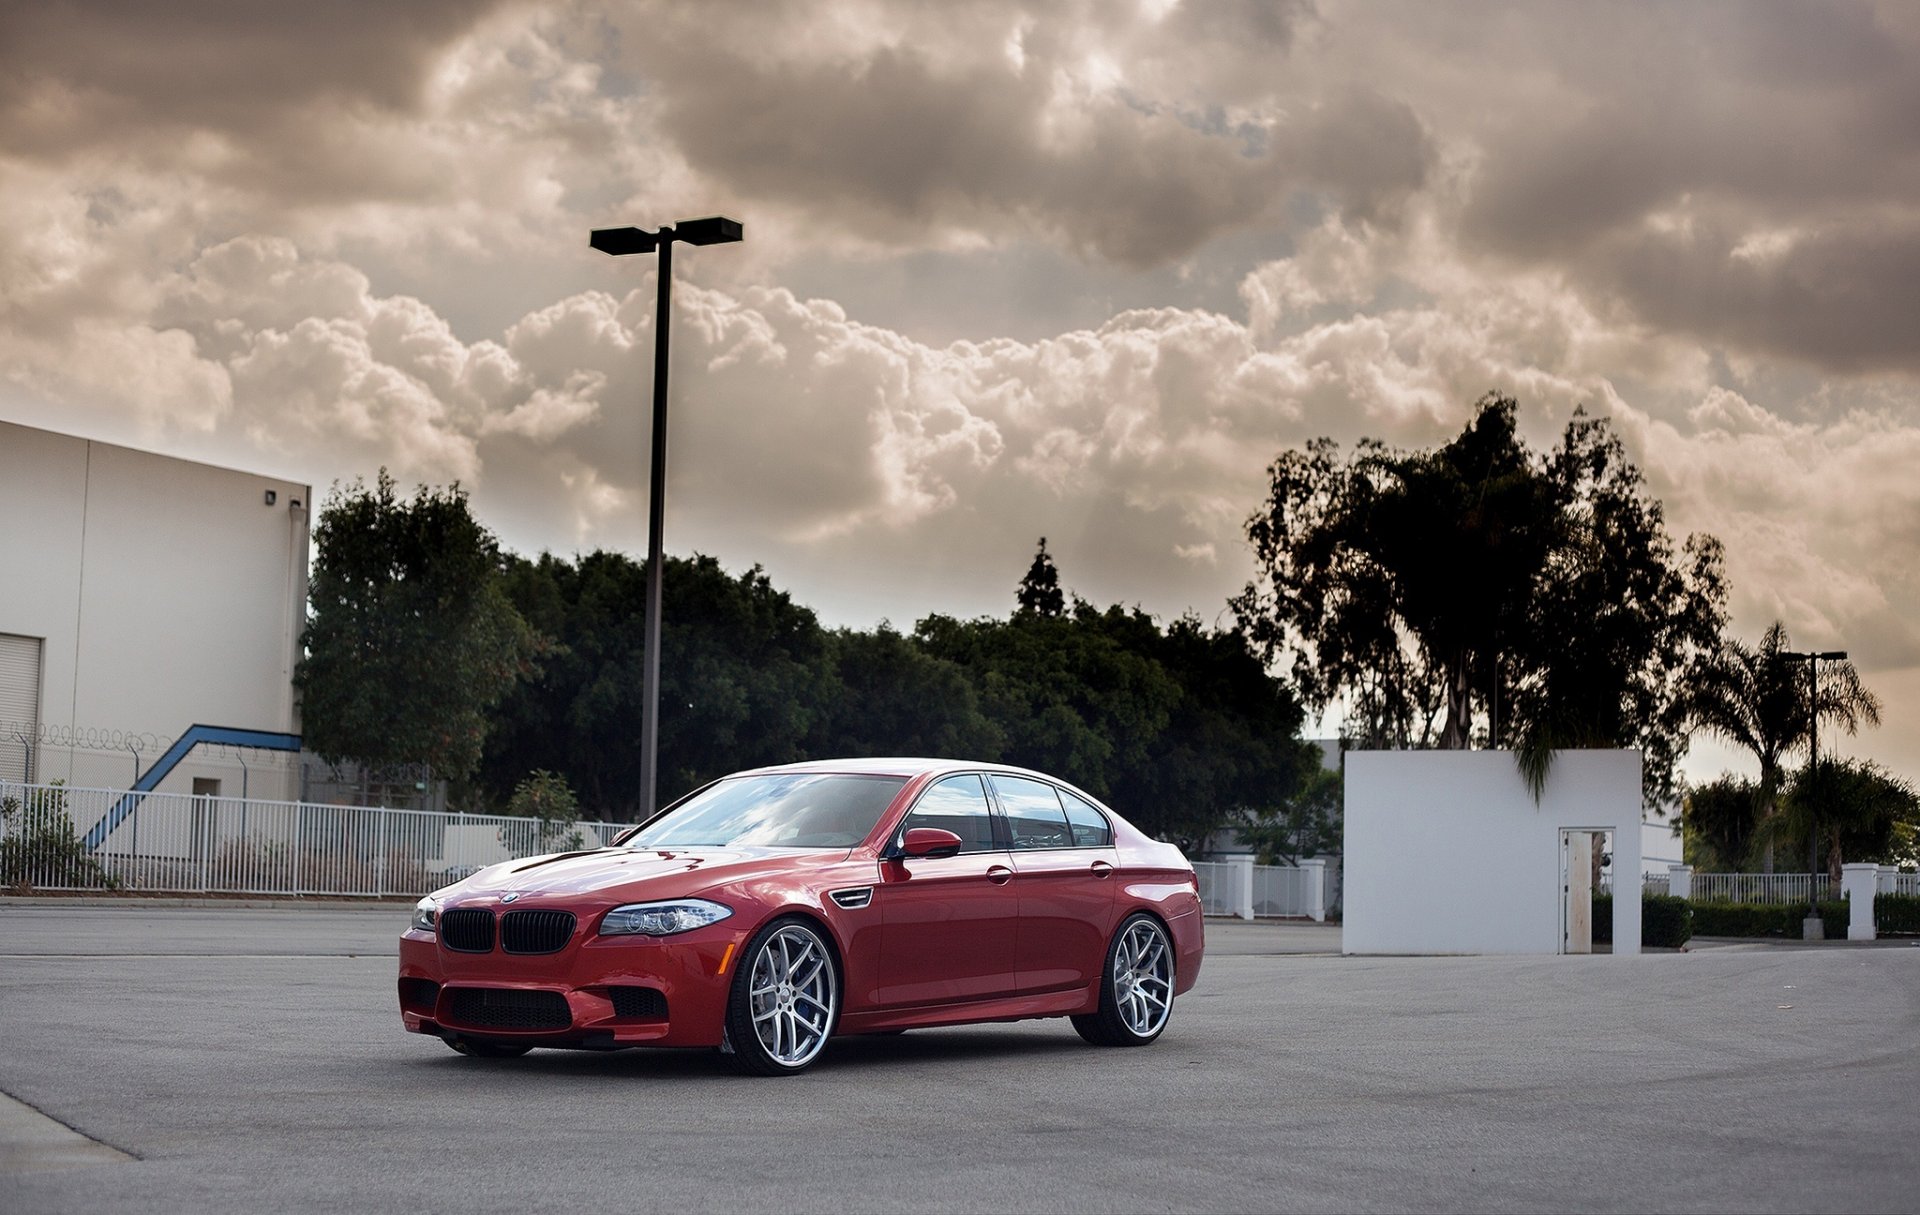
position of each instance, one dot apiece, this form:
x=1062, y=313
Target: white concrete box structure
x=141, y=595
x=1448, y=853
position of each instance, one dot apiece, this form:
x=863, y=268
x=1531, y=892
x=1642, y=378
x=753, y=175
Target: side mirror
x=929, y=842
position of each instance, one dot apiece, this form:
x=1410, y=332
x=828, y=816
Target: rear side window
x=957, y=804
x=1090, y=827
x=1033, y=812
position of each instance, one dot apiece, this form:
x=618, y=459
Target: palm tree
x=1756, y=698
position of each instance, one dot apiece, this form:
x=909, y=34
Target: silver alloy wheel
x=793, y=995
x=1143, y=978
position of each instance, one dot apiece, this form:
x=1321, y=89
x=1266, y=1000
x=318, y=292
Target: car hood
x=649, y=872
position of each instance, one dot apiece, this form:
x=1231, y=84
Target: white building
x=141, y=596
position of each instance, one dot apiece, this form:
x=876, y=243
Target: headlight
x=663, y=919
x=425, y=912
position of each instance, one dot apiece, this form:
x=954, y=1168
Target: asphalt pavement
x=241, y=1059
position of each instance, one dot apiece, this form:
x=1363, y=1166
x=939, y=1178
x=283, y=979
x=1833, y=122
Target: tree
x=1718, y=822
x=1481, y=590
x=892, y=697
x=1618, y=623
x=1757, y=698
x=1039, y=592
x=546, y=796
x=411, y=641
x=1861, y=811
x=744, y=677
x=1182, y=729
x=1309, y=823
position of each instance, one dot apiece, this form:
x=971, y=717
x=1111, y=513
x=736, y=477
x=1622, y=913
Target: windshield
x=788, y=810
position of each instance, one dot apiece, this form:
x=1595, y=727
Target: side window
x=1090, y=827
x=1033, y=811
x=957, y=804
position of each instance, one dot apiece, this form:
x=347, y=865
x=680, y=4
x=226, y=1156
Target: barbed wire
x=145, y=743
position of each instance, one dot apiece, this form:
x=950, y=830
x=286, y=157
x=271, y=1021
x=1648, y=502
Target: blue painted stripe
x=229, y=736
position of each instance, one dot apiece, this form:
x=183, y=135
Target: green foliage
x=411, y=641
x=1039, y=592
x=1765, y=919
x=1718, y=822
x=895, y=698
x=1181, y=729
x=1761, y=699
x=1857, y=806
x=546, y=796
x=424, y=641
x=1665, y=922
x=1309, y=823
x=39, y=845
x=1481, y=582
x=745, y=677
x=1897, y=913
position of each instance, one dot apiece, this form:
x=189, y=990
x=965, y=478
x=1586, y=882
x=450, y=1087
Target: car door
x=1065, y=884
x=948, y=923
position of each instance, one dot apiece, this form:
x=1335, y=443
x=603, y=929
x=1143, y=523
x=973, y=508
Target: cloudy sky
x=1067, y=269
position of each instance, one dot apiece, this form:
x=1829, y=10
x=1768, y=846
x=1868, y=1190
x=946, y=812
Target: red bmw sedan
x=774, y=909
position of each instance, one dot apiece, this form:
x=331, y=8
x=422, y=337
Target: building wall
x=1447, y=852
x=167, y=593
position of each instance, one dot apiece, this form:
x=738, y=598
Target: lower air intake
x=508, y=1008
x=639, y=1003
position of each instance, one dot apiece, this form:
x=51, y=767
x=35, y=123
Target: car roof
x=896, y=766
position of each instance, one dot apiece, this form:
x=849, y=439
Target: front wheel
x=784, y=1001
x=1136, y=988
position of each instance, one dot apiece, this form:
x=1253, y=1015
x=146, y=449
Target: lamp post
x=619, y=242
x=1813, y=929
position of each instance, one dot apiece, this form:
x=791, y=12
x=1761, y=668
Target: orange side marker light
x=726, y=957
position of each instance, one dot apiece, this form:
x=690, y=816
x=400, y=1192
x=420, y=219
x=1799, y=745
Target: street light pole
x=1813, y=929
x=620, y=241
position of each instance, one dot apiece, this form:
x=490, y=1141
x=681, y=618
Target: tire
x=485, y=1050
x=1136, y=986
x=785, y=999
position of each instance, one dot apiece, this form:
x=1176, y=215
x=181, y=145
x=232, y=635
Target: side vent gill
x=855, y=899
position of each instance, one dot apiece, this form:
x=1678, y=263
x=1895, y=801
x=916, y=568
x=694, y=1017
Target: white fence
x=1240, y=888
x=1782, y=889
x=55, y=838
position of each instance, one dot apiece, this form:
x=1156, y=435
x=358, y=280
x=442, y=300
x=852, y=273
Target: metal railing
x=1278, y=891
x=1780, y=888
x=176, y=842
x=1216, y=892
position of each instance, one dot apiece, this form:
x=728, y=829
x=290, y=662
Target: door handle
x=999, y=875
x=1102, y=869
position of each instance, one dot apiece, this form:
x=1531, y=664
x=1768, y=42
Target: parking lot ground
x=251, y=1060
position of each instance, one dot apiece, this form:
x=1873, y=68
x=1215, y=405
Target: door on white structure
x=19, y=705
x=1576, y=891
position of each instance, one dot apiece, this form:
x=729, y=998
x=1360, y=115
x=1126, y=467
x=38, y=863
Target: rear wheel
x=1136, y=988
x=485, y=1050
x=784, y=1001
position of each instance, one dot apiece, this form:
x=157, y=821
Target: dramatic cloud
x=1076, y=269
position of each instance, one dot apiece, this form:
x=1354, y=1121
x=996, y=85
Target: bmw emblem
x=509, y=896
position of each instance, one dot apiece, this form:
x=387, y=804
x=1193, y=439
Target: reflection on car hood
x=667, y=872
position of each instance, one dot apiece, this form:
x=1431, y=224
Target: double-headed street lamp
x=620, y=241
x=1813, y=929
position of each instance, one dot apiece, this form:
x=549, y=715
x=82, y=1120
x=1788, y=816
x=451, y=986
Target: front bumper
x=597, y=992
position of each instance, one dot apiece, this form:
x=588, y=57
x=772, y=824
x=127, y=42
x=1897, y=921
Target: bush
x=40, y=848
x=1898, y=913
x=1665, y=922
x=1766, y=919
x=546, y=796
